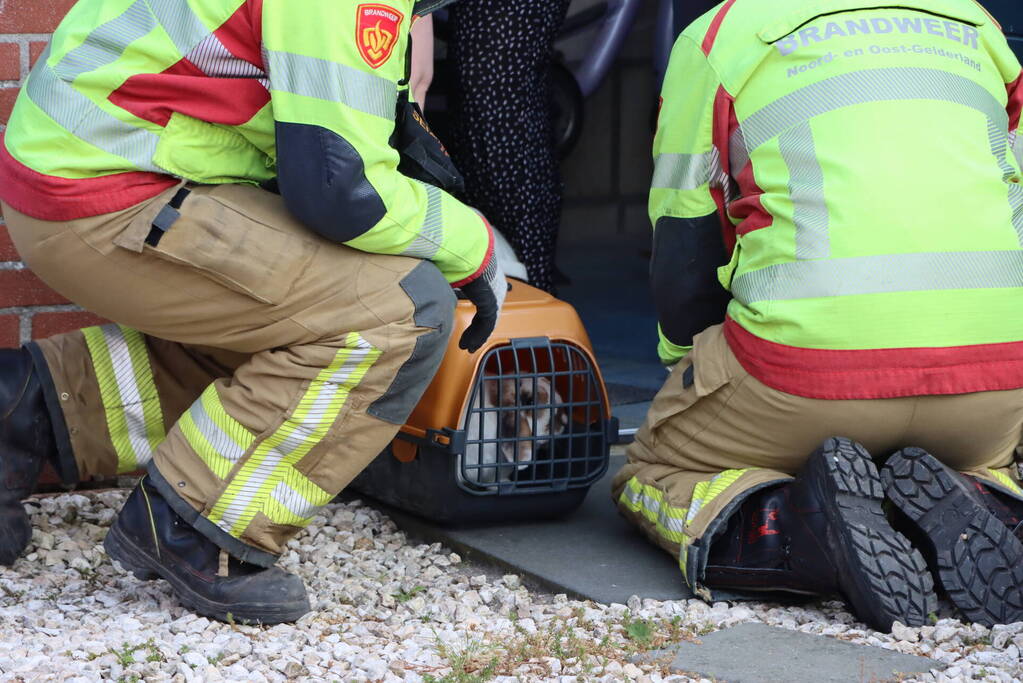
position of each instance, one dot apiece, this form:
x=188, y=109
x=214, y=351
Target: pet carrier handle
x=450, y=440
x=530, y=342
x=621, y=437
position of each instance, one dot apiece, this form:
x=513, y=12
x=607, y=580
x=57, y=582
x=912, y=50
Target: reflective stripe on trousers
x=669, y=521
x=267, y=481
x=1006, y=481
x=130, y=401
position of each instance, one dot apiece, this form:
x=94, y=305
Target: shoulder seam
x=715, y=26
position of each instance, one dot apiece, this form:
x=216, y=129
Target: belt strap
x=167, y=217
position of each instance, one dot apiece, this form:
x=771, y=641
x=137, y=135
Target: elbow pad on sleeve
x=323, y=182
x=683, y=274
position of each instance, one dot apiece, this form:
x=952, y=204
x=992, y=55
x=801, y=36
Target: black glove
x=487, y=292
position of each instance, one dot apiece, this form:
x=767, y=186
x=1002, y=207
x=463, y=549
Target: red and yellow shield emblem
x=376, y=32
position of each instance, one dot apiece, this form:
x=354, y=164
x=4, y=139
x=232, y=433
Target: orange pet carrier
x=518, y=430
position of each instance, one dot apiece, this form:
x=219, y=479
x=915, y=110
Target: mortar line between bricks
x=27, y=314
x=12, y=265
x=23, y=56
x=25, y=327
x=10, y=84
x=51, y=308
x=24, y=37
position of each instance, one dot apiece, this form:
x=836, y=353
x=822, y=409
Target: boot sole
x=976, y=557
x=880, y=573
x=145, y=568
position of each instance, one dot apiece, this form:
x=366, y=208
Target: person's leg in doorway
x=503, y=137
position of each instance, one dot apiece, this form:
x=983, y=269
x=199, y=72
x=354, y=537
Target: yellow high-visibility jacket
x=133, y=95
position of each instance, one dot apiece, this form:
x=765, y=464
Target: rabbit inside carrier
x=510, y=422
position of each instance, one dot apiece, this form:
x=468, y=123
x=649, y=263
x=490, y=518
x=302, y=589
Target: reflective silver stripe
x=738, y=156
x=85, y=119
x=870, y=85
x=52, y=91
x=1016, y=143
x=107, y=43
x=333, y=82
x=185, y=29
x=236, y=509
x=695, y=505
x=640, y=499
x=216, y=61
x=806, y=188
x=633, y=496
x=427, y=243
x=221, y=441
x=296, y=439
x=671, y=523
x=880, y=275
x=886, y=85
x=295, y=502
x=128, y=388
x=663, y=518
x=685, y=171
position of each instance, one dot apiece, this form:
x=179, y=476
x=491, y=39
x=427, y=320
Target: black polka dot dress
x=502, y=140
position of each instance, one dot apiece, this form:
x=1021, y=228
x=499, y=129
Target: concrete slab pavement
x=757, y=653
x=591, y=554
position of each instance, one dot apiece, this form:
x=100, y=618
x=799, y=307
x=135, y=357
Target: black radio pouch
x=423, y=156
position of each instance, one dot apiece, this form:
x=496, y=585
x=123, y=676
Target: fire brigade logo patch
x=376, y=32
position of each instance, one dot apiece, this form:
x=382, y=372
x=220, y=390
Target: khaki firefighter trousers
x=255, y=369
x=714, y=435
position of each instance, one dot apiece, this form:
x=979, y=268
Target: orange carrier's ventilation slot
x=518, y=430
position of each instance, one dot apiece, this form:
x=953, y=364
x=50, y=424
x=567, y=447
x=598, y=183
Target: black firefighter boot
x=150, y=540
x=825, y=532
x=26, y=442
x=967, y=535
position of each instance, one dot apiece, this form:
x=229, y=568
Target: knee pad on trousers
x=434, y=303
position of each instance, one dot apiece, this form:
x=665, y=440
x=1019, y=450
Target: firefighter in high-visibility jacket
x=266, y=346
x=838, y=276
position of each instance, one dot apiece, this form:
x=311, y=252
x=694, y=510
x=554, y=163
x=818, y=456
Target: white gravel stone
x=386, y=610
x=632, y=671
x=902, y=632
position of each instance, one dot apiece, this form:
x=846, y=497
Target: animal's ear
x=543, y=390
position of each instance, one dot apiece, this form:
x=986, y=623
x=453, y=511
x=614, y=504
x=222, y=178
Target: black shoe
x=825, y=532
x=975, y=556
x=26, y=441
x=879, y=572
x=150, y=540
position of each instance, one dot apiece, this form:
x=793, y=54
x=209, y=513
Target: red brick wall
x=28, y=308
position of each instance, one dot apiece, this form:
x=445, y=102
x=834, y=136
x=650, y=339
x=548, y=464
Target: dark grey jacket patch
x=435, y=308
x=323, y=182
x=683, y=275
